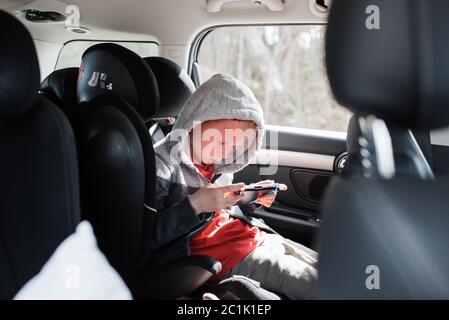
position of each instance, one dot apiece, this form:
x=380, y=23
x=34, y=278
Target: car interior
x=356, y=118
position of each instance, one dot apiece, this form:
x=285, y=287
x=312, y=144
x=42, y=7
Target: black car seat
x=384, y=234
x=39, y=205
x=60, y=88
x=175, y=87
x=116, y=91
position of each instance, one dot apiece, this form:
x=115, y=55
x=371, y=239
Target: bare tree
x=283, y=65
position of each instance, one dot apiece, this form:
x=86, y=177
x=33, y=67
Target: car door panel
x=305, y=162
x=318, y=142
x=300, y=228
x=310, y=184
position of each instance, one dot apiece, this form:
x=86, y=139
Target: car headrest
x=60, y=87
x=111, y=68
x=175, y=86
x=390, y=59
x=19, y=68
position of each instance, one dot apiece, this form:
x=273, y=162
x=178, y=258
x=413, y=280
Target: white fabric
x=77, y=270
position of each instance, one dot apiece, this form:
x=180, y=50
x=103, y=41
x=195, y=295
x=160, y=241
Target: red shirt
x=226, y=239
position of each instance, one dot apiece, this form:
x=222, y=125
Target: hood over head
x=221, y=97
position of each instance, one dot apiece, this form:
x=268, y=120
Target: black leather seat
x=60, y=88
x=384, y=234
x=175, y=87
x=116, y=154
x=117, y=90
x=39, y=205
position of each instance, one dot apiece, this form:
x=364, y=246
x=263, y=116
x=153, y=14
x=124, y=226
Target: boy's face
x=212, y=142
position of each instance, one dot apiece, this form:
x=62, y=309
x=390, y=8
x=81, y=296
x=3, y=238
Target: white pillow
x=76, y=270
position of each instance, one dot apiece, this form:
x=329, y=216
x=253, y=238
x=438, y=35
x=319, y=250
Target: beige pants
x=281, y=266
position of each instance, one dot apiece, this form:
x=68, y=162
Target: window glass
x=284, y=66
x=71, y=53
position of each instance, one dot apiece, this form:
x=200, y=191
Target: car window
x=284, y=66
x=71, y=53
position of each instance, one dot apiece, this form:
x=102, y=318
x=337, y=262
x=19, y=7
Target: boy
x=217, y=133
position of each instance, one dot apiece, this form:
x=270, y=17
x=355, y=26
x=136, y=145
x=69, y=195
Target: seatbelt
x=156, y=131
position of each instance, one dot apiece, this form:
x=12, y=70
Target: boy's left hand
x=267, y=198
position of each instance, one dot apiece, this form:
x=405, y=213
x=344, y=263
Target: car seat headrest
x=19, y=68
x=60, y=87
x=175, y=86
x=390, y=59
x=111, y=68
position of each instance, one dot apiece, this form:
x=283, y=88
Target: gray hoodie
x=221, y=97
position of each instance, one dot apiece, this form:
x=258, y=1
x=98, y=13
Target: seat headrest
x=19, y=68
x=175, y=86
x=60, y=87
x=391, y=59
x=111, y=68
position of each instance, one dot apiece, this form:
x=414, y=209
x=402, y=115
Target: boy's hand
x=215, y=197
x=267, y=198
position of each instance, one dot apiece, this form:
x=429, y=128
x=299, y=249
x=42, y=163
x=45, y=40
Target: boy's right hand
x=215, y=197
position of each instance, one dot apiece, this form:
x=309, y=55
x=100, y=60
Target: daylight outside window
x=71, y=53
x=284, y=66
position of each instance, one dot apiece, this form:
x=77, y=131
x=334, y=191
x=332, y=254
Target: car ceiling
x=169, y=22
